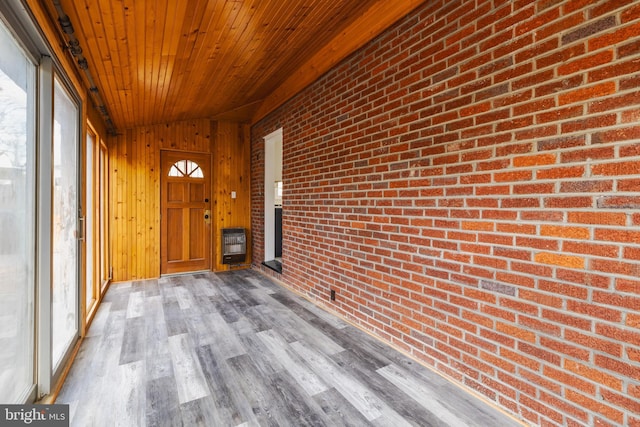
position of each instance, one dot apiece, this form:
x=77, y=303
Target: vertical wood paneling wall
x=135, y=192
x=231, y=172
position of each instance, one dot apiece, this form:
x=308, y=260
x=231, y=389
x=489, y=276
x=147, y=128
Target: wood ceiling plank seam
x=298, y=23
x=202, y=86
x=175, y=16
x=172, y=84
x=248, y=52
x=253, y=71
x=127, y=76
x=246, y=34
x=238, y=114
x=256, y=39
x=348, y=15
x=106, y=79
x=150, y=37
x=188, y=36
x=274, y=40
x=79, y=14
x=348, y=41
x=274, y=12
x=157, y=76
x=188, y=33
x=183, y=77
x=153, y=106
x=137, y=53
x=142, y=16
x=109, y=78
x=192, y=99
x=281, y=20
x=210, y=34
x=119, y=48
x=176, y=12
x=112, y=42
x=194, y=91
x=280, y=56
x=156, y=58
x=242, y=22
x=132, y=54
x=147, y=41
x=226, y=87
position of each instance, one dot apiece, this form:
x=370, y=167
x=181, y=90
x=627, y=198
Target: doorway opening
x=185, y=206
x=273, y=200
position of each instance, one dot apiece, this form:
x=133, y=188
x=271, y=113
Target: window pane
x=17, y=216
x=194, y=170
x=65, y=209
x=186, y=168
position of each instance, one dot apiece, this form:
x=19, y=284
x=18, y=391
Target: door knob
x=207, y=216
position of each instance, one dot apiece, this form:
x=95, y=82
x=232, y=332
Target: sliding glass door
x=17, y=220
x=66, y=230
x=40, y=279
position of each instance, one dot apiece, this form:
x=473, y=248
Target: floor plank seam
x=235, y=348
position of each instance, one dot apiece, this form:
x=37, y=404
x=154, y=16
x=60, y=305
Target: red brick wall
x=469, y=185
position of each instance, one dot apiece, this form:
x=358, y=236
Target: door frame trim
x=273, y=146
x=213, y=233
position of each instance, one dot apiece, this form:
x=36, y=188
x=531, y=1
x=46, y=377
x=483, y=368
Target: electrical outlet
x=333, y=295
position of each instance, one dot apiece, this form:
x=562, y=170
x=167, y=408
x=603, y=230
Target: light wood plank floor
x=235, y=349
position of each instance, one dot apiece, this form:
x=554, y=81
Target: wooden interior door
x=185, y=223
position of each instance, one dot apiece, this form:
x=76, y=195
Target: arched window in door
x=186, y=169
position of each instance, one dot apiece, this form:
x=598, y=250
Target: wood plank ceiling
x=161, y=61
